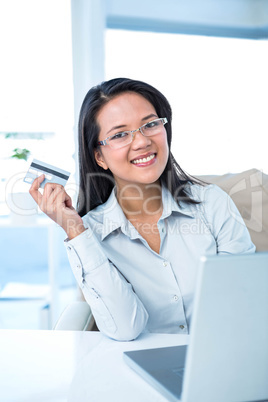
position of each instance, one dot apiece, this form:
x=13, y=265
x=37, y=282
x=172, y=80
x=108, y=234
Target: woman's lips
x=145, y=161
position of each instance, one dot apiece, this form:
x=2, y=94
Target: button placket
x=161, y=228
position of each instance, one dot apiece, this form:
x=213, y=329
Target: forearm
x=116, y=308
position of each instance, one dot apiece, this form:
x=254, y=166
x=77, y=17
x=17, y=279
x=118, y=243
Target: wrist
x=74, y=230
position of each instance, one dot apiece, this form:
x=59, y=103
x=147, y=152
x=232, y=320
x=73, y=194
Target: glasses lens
x=119, y=140
x=153, y=127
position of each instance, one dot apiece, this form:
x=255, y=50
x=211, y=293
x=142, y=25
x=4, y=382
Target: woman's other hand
x=57, y=205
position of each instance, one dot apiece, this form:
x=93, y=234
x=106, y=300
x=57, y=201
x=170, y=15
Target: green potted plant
x=23, y=210
x=21, y=153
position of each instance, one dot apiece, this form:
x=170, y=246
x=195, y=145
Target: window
x=217, y=88
x=36, y=85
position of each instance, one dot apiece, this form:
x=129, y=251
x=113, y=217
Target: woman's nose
x=139, y=140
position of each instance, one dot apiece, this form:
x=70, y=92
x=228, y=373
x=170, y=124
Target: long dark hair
x=95, y=183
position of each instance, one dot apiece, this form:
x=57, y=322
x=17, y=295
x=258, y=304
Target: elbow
x=126, y=336
x=128, y=332
x=125, y=332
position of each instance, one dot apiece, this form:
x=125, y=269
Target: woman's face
x=129, y=111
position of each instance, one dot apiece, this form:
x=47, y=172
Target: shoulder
x=214, y=203
x=105, y=218
x=216, y=206
x=207, y=193
x=97, y=214
x=94, y=220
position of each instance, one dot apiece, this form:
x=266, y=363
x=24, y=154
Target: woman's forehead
x=124, y=108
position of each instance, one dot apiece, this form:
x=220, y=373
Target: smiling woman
x=142, y=222
x=143, y=162
x=123, y=104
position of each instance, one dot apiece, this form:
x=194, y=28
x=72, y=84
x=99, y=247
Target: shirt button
x=165, y=263
x=163, y=230
x=69, y=248
x=78, y=266
x=175, y=298
x=181, y=326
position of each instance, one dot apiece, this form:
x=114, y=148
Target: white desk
x=57, y=366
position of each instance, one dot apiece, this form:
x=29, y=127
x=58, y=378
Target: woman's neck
x=141, y=201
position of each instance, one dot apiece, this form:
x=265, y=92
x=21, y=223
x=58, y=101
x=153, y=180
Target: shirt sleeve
x=226, y=223
x=118, y=311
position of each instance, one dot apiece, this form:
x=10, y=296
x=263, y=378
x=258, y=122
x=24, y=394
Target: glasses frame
x=106, y=141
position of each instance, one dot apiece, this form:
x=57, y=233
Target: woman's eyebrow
x=116, y=128
x=149, y=116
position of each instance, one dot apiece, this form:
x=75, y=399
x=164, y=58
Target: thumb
x=68, y=202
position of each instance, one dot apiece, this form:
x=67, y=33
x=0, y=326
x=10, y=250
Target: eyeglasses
x=120, y=140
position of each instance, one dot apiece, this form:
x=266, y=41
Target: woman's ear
x=99, y=159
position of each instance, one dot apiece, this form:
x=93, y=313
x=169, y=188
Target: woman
x=142, y=223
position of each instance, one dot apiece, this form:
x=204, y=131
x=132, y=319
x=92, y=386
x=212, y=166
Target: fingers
x=52, y=190
x=57, y=205
x=68, y=202
x=34, y=190
x=56, y=200
x=51, y=197
x=50, y=194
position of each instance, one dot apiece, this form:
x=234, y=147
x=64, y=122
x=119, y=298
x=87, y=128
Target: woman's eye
x=152, y=124
x=119, y=136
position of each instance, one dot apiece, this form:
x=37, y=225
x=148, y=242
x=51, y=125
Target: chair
x=249, y=191
x=77, y=316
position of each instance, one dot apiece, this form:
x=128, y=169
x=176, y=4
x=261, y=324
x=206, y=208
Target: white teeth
x=143, y=160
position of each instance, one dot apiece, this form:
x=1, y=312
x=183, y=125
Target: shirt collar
x=114, y=218
x=170, y=205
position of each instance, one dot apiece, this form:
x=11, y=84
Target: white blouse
x=132, y=289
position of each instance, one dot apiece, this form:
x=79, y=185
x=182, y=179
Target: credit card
x=52, y=173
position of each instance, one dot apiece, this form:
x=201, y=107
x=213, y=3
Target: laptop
x=227, y=356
